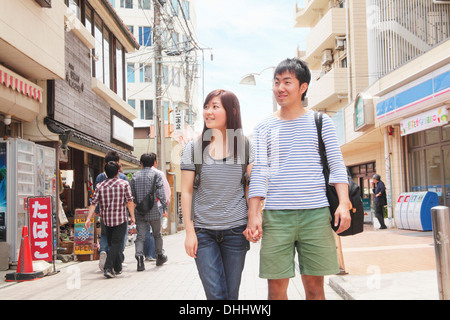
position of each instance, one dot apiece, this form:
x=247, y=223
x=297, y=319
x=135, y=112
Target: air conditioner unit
x=441, y=1
x=327, y=57
x=340, y=44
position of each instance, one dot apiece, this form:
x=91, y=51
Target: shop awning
x=90, y=142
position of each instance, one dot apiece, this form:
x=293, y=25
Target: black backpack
x=357, y=210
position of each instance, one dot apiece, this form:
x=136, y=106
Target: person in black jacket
x=379, y=191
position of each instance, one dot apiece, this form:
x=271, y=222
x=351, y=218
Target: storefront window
x=446, y=164
x=433, y=161
x=432, y=136
x=446, y=132
x=417, y=171
x=415, y=139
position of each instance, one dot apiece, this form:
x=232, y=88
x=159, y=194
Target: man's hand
x=342, y=216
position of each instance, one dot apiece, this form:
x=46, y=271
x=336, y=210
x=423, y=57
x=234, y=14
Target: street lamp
x=251, y=80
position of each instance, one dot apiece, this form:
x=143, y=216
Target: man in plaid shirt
x=141, y=184
x=113, y=197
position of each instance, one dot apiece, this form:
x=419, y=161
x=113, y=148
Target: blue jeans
x=220, y=261
x=149, y=244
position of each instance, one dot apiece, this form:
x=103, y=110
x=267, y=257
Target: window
x=145, y=73
x=131, y=28
x=74, y=5
x=147, y=109
x=120, y=71
x=98, y=35
x=113, y=3
x=185, y=8
x=145, y=36
x=130, y=72
x=144, y=4
x=165, y=74
x=174, y=42
x=132, y=103
x=106, y=57
x=174, y=6
x=127, y=4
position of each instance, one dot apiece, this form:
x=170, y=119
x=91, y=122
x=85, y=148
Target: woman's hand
x=191, y=244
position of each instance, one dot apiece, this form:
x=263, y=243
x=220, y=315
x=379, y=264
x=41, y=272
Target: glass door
x=446, y=167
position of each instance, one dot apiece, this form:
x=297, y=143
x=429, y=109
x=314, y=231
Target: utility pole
x=187, y=76
x=159, y=114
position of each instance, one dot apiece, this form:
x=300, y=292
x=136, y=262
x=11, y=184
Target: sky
x=246, y=36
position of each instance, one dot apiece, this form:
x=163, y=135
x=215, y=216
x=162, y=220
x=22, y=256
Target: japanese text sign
x=40, y=213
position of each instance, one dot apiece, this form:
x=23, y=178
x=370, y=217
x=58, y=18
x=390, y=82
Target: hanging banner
x=40, y=213
x=432, y=118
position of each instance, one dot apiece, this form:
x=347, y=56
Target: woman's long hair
x=234, y=124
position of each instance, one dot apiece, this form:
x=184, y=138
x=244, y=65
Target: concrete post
x=440, y=218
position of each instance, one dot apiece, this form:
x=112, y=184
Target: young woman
x=215, y=214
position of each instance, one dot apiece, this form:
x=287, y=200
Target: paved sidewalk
x=176, y=280
x=392, y=264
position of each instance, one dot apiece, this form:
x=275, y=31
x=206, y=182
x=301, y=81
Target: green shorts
x=309, y=231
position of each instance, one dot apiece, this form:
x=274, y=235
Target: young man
x=141, y=184
x=113, y=197
x=287, y=173
x=110, y=156
x=149, y=244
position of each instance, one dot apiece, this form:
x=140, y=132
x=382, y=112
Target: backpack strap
x=245, y=177
x=196, y=152
x=323, y=157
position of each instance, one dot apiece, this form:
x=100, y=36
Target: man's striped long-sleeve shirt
x=287, y=170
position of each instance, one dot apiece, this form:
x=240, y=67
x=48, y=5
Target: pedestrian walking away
x=379, y=192
x=113, y=197
x=215, y=211
x=110, y=156
x=149, y=244
x=146, y=186
x=287, y=173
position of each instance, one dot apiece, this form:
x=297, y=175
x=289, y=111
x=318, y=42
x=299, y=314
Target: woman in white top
x=215, y=214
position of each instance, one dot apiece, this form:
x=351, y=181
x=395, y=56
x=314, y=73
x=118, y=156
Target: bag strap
x=245, y=177
x=323, y=157
x=196, y=147
x=198, y=166
x=154, y=183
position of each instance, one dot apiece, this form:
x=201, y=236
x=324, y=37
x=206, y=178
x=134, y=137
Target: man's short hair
x=376, y=176
x=112, y=156
x=148, y=159
x=111, y=169
x=297, y=67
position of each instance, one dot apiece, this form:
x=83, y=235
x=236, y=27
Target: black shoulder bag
x=149, y=200
x=357, y=210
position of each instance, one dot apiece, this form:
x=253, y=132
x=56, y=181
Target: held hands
x=253, y=232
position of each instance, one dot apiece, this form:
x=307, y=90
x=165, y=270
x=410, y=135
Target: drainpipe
x=347, y=30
